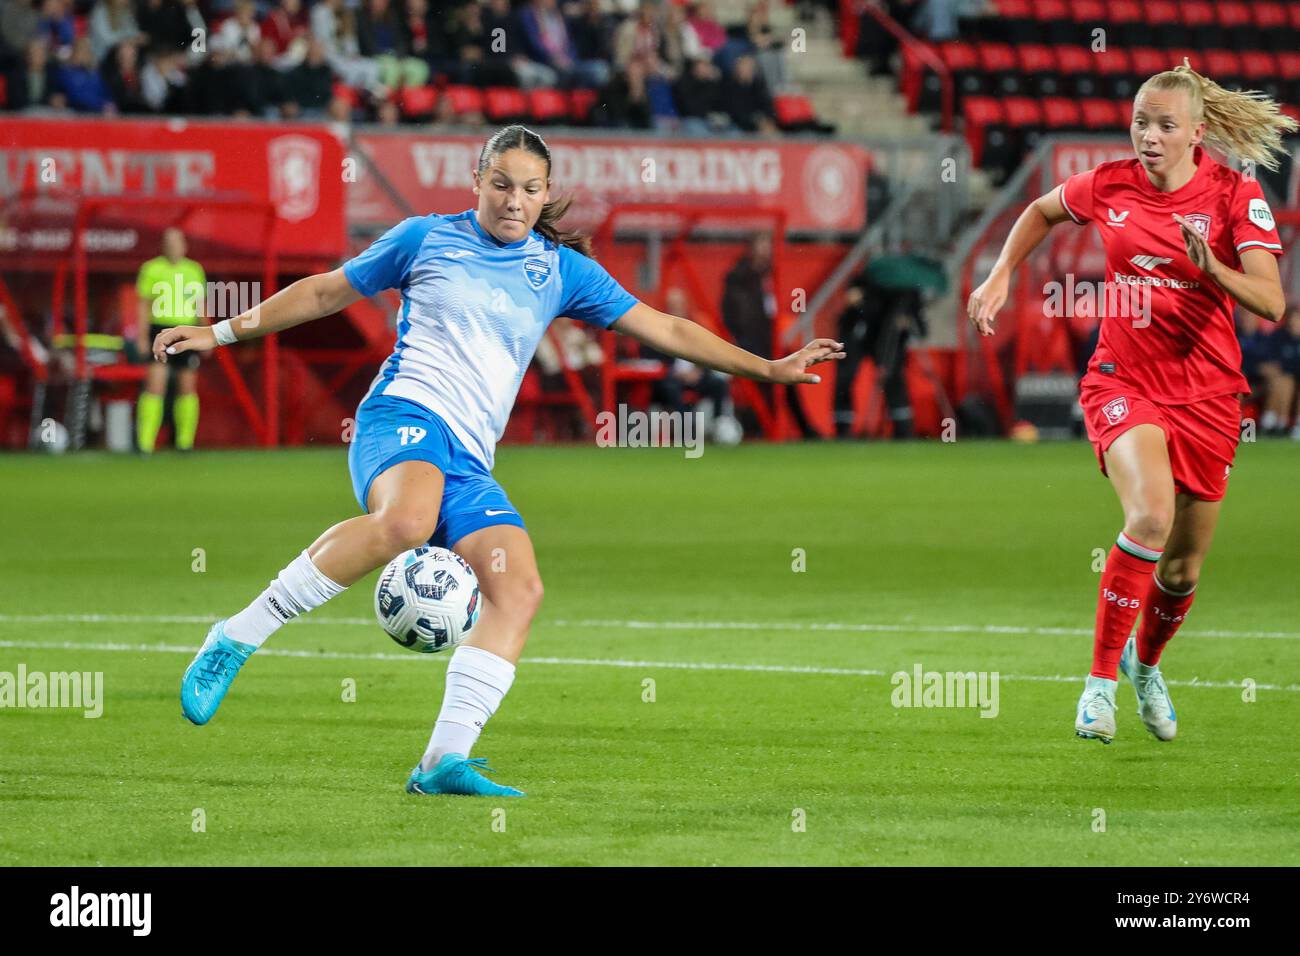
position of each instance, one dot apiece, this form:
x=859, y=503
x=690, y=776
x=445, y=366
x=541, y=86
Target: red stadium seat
x=1293, y=13
x=1259, y=65
x=1072, y=60
x=997, y=58
x=1161, y=13
x=1060, y=113
x=417, y=102
x=504, y=104
x=1122, y=12
x=957, y=55
x=548, y=106
x=793, y=110
x=1232, y=14
x=1223, y=66
x=464, y=99
x=1015, y=9
x=1198, y=13
x=1049, y=11
x=1270, y=16
x=1113, y=62
x=1100, y=115
x=1147, y=61
x=1023, y=112
x=1035, y=58
x=581, y=103
x=1125, y=108
x=980, y=113
x=1089, y=12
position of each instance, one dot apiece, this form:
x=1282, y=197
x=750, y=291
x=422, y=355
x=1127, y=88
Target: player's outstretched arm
x=1030, y=229
x=689, y=340
x=304, y=301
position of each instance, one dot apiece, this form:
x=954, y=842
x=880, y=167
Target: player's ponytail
x=521, y=137
x=1247, y=125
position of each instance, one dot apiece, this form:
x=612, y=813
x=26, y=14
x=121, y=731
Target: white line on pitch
x=658, y=625
x=590, y=662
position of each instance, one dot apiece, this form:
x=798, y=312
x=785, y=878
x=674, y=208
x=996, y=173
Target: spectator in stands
x=222, y=86
x=699, y=99
x=1280, y=372
x=112, y=22
x=164, y=83
x=334, y=25
x=748, y=308
x=173, y=25
x=240, y=34
x=748, y=102
x=387, y=113
x=507, y=47
x=768, y=48
x=592, y=34
x=19, y=25
x=472, y=61
x=936, y=20
x=57, y=26
x=382, y=35
x=642, y=42
x=268, y=91
x=121, y=72
x=417, y=29
x=683, y=43
x=877, y=45
x=625, y=102
x=310, y=86
x=547, y=40
x=35, y=82
x=286, y=27
x=80, y=81
x=712, y=34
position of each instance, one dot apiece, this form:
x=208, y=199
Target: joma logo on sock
x=102, y=909
x=1118, y=601
x=946, y=689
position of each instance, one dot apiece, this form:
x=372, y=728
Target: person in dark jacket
x=747, y=98
x=35, y=81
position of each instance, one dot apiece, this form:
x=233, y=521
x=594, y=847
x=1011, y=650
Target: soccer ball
x=427, y=599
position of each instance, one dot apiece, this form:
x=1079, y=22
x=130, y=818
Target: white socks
x=477, y=680
x=299, y=588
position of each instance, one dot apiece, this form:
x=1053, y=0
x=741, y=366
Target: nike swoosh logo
x=1089, y=720
x=492, y=514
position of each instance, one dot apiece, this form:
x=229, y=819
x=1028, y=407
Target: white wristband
x=224, y=333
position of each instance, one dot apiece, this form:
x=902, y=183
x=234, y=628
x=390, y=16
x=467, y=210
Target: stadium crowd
x=650, y=64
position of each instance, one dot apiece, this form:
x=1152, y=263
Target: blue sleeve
x=385, y=264
x=590, y=293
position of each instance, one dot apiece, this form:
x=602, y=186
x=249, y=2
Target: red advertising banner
x=821, y=186
x=299, y=170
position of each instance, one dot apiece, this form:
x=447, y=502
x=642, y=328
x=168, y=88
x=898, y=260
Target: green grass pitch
x=771, y=738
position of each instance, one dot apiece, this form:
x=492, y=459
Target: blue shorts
x=391, y=430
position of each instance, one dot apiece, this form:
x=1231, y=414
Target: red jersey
x=1189, y=352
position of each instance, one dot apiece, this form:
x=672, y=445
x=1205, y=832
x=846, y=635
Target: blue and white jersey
x=473, y=310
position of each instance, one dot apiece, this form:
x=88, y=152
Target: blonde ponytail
x=1247, y=125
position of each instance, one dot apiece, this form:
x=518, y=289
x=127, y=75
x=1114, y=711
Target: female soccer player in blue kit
x=478, y=290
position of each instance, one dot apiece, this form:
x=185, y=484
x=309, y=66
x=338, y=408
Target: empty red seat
x=957, y=55
x=1198, y=13
x=792, y=110
x=464, y=99
x=417, y=102
x=980, y=112
x=1293, y=14
x=1049, y=11
x=1073, y=60
x=1231, y=14
x=1061, y=113
x=1088, y=11
x=1222, y=63
x=1160, y=13
x=1015, y=9
x=1270, y=16
x=1288, y=64
x=1122, y=12
x=1114, y=62
x=1099, y=114
x=1022, y=112
x=996, y=58
x=581, y=103
x=1259, y=65
x=504, y=103
x=346, y=93
x=548, y=106
x=1125, y=108
x=1147, y=61
x=1035, y=58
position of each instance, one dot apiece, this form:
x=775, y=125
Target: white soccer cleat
x=1154, y=706
x=1096, y=717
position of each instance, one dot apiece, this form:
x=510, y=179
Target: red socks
x=1164, y=612
x=1125, y=583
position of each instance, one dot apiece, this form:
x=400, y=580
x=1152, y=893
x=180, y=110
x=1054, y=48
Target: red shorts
x=1201, y=437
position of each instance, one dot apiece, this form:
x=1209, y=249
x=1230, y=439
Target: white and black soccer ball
x=427, y=599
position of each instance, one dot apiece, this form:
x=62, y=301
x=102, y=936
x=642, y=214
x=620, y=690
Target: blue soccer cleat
x=1154, y=706
x=209, y=675
x=455, y=773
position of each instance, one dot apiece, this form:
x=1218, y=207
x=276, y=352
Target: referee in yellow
x=171, y=290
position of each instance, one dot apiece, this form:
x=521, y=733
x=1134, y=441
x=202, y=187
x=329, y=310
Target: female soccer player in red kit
x=1160, y=396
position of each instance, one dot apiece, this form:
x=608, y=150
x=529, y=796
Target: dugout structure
x=67, y=275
